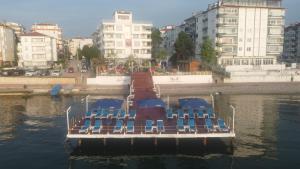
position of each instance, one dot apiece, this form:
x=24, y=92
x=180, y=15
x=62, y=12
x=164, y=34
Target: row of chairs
x=190, y=113
x=98, y=126
x=221, y=126
x=113, y=113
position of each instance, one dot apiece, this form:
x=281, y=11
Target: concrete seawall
x=203, y=89
x=37, y=80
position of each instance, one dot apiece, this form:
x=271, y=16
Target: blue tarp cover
x=55, y=90
x=107, y=103
x=151, y=103
x=193, y=103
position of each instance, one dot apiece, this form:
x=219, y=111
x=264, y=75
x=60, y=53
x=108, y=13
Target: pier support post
x=104, y=142
x=79, y=142
x=205, y=141
x=131, y=142
x=155, y=142
x=177, y=142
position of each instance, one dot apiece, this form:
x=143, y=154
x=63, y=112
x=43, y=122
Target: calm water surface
x=32, y=135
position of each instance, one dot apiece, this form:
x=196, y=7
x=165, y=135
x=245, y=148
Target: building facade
x=122, y=37
x=37, y=50
x=291, y=50
x=18, y=28
x=7, y=45
x=170, y=38
x=244, y=32
x=52, y=30
x=79, y=43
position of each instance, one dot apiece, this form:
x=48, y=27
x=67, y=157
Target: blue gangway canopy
x=106, y=104
x=193, y=103
x=151, y=103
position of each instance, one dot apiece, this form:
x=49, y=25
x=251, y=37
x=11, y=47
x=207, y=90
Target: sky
x=81, y=17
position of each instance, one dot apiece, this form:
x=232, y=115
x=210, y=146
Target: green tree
x=156, y=42
x=90, y=52
x=184, y=48
x=208, y=52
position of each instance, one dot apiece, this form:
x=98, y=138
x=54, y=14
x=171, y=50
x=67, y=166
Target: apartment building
x=37, y=50
x=291, y=50
x=18, y=28
x=7, y=45
x=78, y=43
x=170, y=38
x=243, y=32
x=122, y=37
x=52, y=30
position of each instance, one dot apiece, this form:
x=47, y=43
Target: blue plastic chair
x=192, y=126
x=97, y=127
x=160, y=126
x=85, y=127
x=149, y=127
x=118, y=127
x=200, y=113
x=210, y=113
x=222, y=126
x=169, y=113
x=191, y=113
x=130, y=126
x=132, y=114
x=209, y=125
x=180, y=125
x=104, y=114
x=180, y=113
x=122, y=114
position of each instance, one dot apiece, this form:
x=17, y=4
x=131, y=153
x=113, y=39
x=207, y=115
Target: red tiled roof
x=33, y=34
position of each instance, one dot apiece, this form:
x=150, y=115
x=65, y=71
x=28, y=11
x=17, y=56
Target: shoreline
x=200, y=89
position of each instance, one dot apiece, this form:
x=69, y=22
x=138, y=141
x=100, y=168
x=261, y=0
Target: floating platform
x=144, y=115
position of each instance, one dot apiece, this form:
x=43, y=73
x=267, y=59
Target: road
x=81, y=77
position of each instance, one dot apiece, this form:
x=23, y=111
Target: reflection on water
x=267, y=128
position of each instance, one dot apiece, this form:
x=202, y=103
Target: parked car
x=70, y=70
x=31, y=73
x=44, y=72
x=55, y=73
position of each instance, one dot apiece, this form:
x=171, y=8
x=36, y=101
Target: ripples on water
x=32, y=134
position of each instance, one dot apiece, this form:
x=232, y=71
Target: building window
x=135, y=36
x=248, y=49
x=118, y=36
x=137, y=28
x=137, y=43
x=119, y=28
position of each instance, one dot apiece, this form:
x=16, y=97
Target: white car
x=56, y=73
x=31, y=73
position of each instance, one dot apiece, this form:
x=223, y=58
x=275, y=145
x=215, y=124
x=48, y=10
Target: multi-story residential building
x=52, y=30
x=79, y=43
x=7, y=45
x=291, y=50
x=18, y=28
x=121, y=37
x=37, y=50
x=244, y=32
x=171, y=37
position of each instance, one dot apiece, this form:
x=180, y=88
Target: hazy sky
x=81, y=17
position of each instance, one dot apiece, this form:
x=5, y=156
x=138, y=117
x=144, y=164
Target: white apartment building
x=52, y=30
x=18, y=28
x=37, y=50
x=244, y=32
x=79, y=43
x=122, y=37
x=7, y=45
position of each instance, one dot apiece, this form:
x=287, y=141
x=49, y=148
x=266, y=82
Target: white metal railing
x=68, y=122
x=233, y=115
